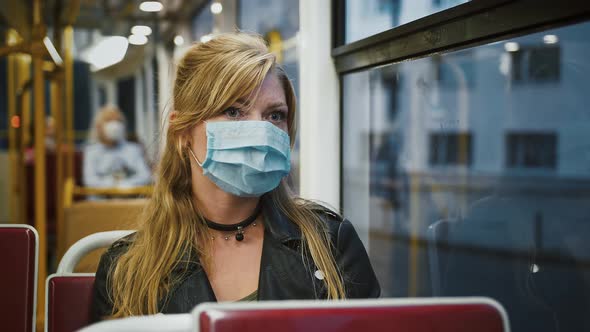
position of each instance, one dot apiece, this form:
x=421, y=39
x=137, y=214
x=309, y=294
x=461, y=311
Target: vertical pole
x=40, y=197
x=23, y=66
x=150, y=106
x=139, y=109
x=415, y=217
x=69, y=99
x=57, y=114
x=319, y=105
x=14, y=122
x=39, y=115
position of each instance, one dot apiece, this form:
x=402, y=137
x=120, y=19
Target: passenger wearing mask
x=220, y=194
x=110, y=160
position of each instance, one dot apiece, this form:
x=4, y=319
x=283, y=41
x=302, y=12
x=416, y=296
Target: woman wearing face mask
x=110, y=160
x=221, y=224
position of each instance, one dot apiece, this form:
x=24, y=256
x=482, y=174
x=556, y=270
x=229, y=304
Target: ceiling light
x=206, y=38
x=511, y=47
x=550, y=39
x=216, y=8
x=138, y=39
x=107, y=52
x=52, y=51
x=141, y=30
x=151, y=6
x=178, y=40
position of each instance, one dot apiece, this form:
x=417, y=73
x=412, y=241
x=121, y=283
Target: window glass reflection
x=368, y=17
x=468, y=174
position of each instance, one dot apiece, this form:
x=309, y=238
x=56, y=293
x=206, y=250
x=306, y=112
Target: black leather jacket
x=283, y=274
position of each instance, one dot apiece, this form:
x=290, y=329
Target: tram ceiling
x=110, y=17
x=115, y=17
x=17, y=15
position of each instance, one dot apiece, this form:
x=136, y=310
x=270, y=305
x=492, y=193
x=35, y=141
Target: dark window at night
x=531, y=150
x=450, y=149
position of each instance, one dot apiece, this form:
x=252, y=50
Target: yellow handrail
x=86, y=191
x=71, y=190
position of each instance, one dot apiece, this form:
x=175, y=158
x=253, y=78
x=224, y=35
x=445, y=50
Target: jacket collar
x=283, y=273
x=277, y=223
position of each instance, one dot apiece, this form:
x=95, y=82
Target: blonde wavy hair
x=210, y=78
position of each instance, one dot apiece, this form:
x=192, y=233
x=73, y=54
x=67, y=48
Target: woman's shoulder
x=117, y=249
x=328, y=215
x=331, y=220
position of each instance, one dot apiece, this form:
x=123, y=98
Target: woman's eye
x=232, y=112
x=277, y=116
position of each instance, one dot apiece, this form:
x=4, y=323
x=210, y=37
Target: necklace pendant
x=240, y=234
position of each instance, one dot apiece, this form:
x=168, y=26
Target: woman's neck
x=219, y=206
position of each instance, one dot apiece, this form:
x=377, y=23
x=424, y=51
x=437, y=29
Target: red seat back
x=18, y=279
x=358, y=316
x=69, y=300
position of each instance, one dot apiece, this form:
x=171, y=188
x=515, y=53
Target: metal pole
x=13, y=127
x=39, y=148
x=57, y=112
x=69, y=99
x=23, y=110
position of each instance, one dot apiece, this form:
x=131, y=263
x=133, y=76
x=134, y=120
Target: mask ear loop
x=192, y=153
x=194, y=157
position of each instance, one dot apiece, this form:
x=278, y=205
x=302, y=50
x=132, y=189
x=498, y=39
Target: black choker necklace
x=238, y=228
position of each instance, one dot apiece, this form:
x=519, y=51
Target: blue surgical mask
x=246, y=158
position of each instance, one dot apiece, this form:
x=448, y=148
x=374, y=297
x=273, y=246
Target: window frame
x=468, y=25
x=464, y=26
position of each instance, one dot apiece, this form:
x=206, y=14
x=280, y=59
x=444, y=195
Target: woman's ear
x=172, y=115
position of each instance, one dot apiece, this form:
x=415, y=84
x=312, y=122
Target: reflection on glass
x=368, y=17
x=468, y=174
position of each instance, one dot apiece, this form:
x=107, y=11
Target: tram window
x=368, y=17
x=514, y=224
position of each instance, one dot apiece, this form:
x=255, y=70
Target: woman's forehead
x=270, y=93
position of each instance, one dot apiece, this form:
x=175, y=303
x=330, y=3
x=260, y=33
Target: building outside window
x=509, y=103
x=531, y=150
x=450, y=149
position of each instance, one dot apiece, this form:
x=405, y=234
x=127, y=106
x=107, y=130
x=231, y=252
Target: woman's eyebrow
x=276, y=104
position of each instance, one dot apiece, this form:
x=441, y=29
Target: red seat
x=69, y=302
x=19, y=251
x=69, y=295
x=409, y=315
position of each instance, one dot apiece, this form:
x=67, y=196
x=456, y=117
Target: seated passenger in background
x=110, y=160
x=221, y=193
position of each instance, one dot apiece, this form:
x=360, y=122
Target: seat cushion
x=69, y=303
x=410, y=317
x=17, y=279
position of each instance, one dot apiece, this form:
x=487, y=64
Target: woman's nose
x=255, y=116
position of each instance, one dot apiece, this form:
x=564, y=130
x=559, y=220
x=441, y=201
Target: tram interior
x=465, y=169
